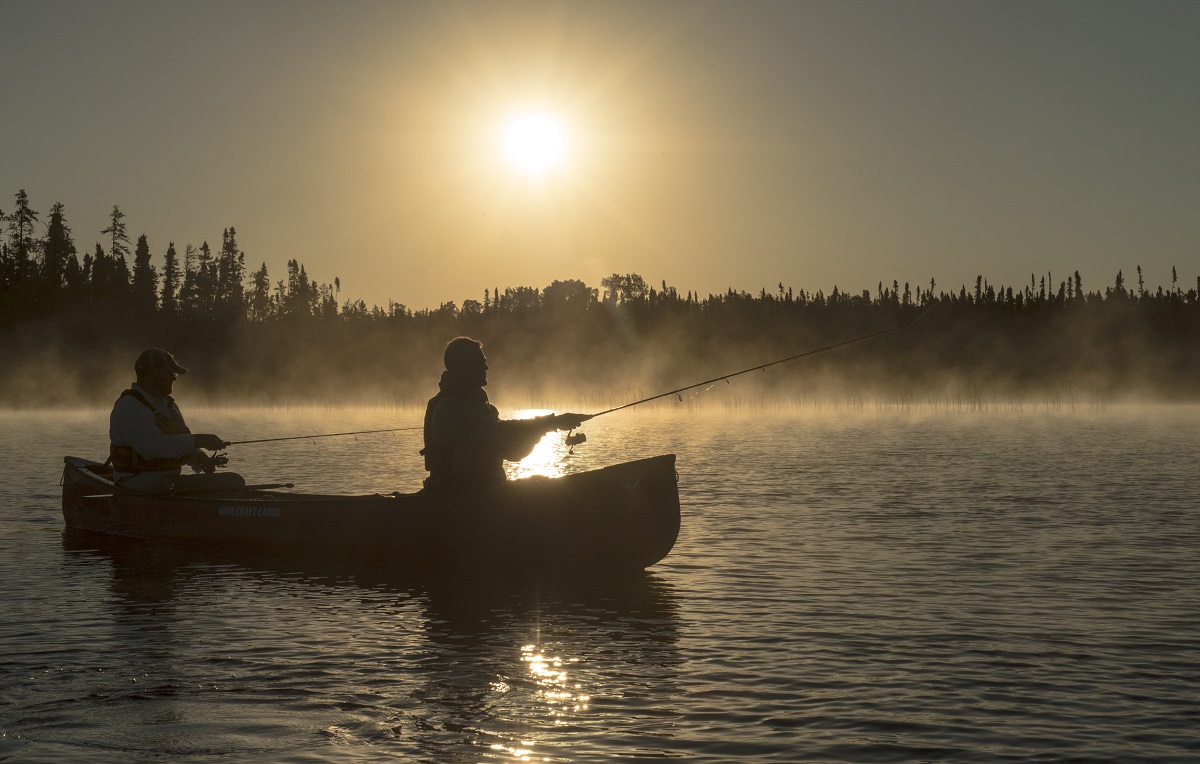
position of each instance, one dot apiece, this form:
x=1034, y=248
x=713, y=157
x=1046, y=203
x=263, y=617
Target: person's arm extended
x=516, y=438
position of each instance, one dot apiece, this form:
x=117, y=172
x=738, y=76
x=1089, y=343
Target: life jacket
x=464, y=460
x=126, y=459
x=438, y=456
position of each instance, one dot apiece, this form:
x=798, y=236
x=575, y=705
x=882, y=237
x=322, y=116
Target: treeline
x=77, y=322
x=45, y=275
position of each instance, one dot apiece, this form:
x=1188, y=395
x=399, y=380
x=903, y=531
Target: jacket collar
x=452, y=385
x=162, y=404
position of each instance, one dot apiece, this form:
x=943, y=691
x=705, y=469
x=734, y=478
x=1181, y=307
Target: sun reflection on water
x=553, y=685
x=549, y=455
x=519, y=754
x=554, y=682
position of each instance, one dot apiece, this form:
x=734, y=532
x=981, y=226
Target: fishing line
x=326, y=435
x=762, y=367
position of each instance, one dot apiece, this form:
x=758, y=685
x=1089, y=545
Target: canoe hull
x=625, y=516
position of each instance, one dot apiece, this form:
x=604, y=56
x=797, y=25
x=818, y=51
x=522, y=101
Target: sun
x=535, y=143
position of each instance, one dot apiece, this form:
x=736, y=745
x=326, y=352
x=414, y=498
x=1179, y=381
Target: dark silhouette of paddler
x=466, y=441
x=150, y=442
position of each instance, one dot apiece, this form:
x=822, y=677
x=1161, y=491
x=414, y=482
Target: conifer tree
x=187, y=291
x=74, y=280
x=99, y=274
x=301, y=296
x=171, y=279
x=58, y=250
x=230, y=273
x=118, y=238
x=206, y=280
x=258, y=307
x=116, y=285
x=145, y=278
x=21, y=245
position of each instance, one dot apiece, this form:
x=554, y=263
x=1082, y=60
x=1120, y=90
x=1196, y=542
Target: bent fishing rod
x=764, y=366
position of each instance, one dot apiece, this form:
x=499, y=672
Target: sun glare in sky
x=535, y=143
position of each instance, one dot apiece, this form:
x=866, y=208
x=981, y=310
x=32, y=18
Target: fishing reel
x=211, y=463
x=573, y=439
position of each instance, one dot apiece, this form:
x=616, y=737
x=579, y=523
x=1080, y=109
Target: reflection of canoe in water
x=621, y=517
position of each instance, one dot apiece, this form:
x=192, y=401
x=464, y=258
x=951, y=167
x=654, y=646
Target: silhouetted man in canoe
x=150, y=443
x=466, y=441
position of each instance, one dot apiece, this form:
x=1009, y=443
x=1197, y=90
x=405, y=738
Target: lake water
x=848, y=586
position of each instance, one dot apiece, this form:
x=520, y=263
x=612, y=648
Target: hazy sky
x=710, y=144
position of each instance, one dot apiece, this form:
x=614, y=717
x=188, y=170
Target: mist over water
x=950, y=350
x=859, y=584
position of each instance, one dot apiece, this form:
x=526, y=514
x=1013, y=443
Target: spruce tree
x=117, y=283
x=230, y=273
x=58, y=249
x=118, y=237
x=170, y=280
x=98, y=274
x=145, y=278
x=206, y=280
x=21, y=244
x=187, y=292
x=258, y=307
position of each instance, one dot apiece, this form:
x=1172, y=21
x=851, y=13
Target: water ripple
x=863, y=588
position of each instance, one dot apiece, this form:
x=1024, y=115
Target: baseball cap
x=157, y=358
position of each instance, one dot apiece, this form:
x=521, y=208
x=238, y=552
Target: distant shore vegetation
x=72, y=320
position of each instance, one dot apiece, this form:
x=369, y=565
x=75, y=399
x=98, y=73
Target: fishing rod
x=324, y=435
x=579, y=438
x=761, y=367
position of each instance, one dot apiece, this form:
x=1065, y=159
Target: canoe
x=625, y=516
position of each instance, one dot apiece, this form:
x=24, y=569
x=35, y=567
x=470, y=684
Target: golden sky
x=707, y=144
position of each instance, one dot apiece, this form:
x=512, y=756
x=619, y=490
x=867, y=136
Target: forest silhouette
x=71, y=325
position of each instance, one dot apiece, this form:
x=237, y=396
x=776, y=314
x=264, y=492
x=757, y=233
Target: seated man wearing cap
x=466, y=441
x=150, y=442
